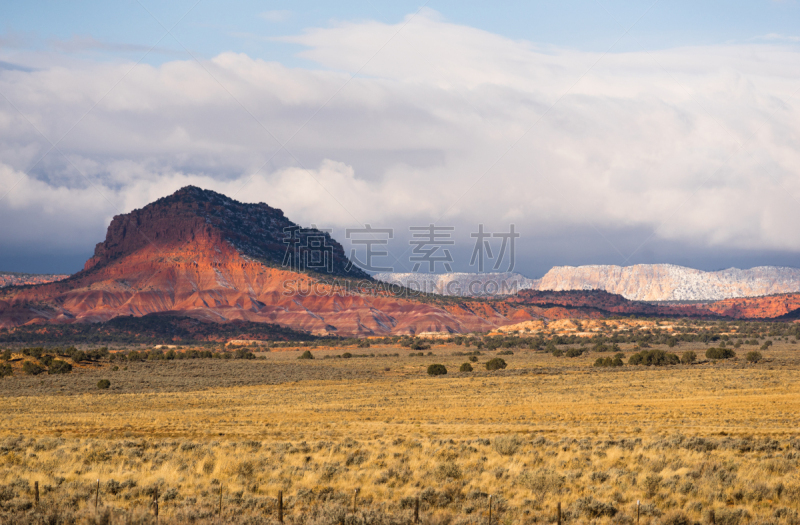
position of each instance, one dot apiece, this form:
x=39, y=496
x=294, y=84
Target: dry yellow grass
x=683, y=440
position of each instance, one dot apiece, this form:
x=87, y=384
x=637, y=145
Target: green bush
x=496, y=363
x=5, y=370
x=754, y=357
x=720, y=353
x=6, y=355
x=473, y=358
x=348, y=355
x=31, y=368
x=103, y=384
x=557, y=352
x=688, y=357
x=58, y=366
x=78, y=356
x=608, y=361
x=466, y=367
x=574, y=352
x=306, y=355
x=653, y=358
x=436, y=370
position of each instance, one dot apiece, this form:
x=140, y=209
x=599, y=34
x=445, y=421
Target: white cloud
x=698, y=142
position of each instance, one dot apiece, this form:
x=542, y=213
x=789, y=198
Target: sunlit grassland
x=683, y=440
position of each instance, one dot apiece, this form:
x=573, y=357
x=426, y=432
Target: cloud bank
x=414, y=122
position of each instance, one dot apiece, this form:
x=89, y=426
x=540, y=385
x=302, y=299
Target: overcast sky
x=605, y=132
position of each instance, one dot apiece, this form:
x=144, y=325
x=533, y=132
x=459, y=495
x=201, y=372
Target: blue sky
x=608, y=132
x=208, y=28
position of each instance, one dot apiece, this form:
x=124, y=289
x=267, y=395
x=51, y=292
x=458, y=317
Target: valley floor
x=683, y=440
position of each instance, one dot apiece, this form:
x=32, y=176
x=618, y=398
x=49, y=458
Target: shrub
x=103, y=384
x=6, y=355
x=5, y=370
x=651, y=485
x=720, y=353
x=348, y=355
x=496, y=363
x=78, y=356
x=505, y=352
x=542, y=482
x=437, y=370
x=31, y=368
x=688, y=357
x=507, y=445
x=473, y=359
x=653, y=358
x=58, y=366
x=557, y=352
x=608, y=361
x=574, y=352
x=466, y=367
x=419, y=345
x=753, y=357
x=306, y=355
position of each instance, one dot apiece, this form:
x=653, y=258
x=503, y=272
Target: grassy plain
x=683, y=440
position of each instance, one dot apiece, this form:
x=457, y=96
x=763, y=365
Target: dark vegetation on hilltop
x=150, y=329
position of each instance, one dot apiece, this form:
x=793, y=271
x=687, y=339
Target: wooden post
x=490, y=509
x=637, y=512
x=36, y=492
x=220, y=504
x=97, y=496
x=558, y=515
x=712, y=517
x=416, y=510
x=155, y=504
x=355, y=495
x=280, y=506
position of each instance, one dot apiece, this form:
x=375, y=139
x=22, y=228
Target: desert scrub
x=496, y=363
x=507, y=445
x=465, y=367
x=436, y=370
x=688, y=357
x=6, y=370
x=103, y=384
x=31, y=368
x=57, y=366
x=720, y=353
x=753, y=357
x=653, y=358
x=307, y=355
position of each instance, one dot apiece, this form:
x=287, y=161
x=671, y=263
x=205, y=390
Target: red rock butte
x=203, y=255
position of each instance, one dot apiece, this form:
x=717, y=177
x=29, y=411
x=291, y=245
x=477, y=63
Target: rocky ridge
x=641, y=282
x=22, y=279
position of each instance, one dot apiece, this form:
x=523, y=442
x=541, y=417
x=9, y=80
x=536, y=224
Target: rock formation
x=641, y=282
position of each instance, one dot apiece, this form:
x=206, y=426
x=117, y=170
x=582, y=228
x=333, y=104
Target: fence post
x=712, y=517
x=219, y=514
x=155, y=504
x=280, y=506
x=637, y=512
x=97, y=496
x=36, y=492
x=490, y=509
x=416, y=510
x=559, y=513
x=355, y=495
